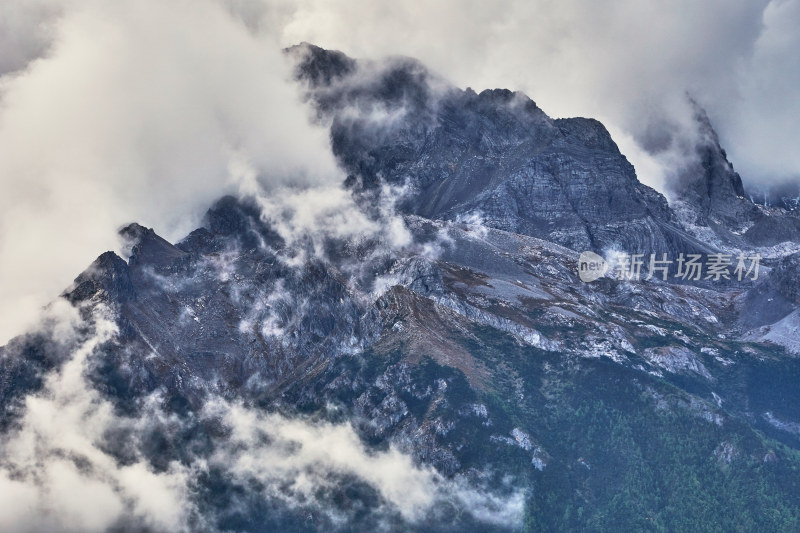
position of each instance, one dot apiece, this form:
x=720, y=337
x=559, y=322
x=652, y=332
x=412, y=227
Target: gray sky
x=147, y=110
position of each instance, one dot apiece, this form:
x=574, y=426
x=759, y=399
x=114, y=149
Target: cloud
x=761, y=132
x=25, y=29
x=628, y=63
x=276, y=451
x=73, y=463
x=55, y=470
x=293, y=459
x=112, y=112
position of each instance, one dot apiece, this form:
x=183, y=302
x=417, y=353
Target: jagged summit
x=107, y=279
x=235, y=218
x=711, y=202
x=497, y=155
x=710, y=183
x=320, y=66
x=146, y=246
x=493, y=154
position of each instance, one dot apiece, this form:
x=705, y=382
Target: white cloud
x=294, y=458
x=54, y=467
x=134, y=112
x=306, y=452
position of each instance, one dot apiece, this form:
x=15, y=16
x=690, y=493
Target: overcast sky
x=148, y=110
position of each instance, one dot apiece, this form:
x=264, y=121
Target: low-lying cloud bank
x=73, y=463
x=55, y=474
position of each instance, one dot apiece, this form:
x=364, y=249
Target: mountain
x=711, y=196
x=468, y=380
x=495, y=154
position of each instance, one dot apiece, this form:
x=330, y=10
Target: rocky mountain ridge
x=472, y=364
x=498, y=156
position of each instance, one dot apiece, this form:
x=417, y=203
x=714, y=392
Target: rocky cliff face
x=467, y=381
x=711, y=184
x=711, y=196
